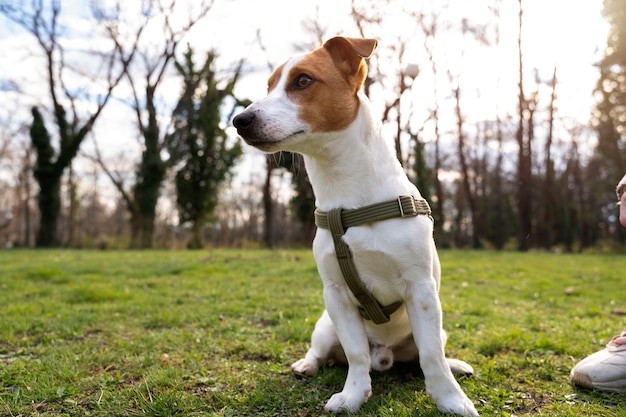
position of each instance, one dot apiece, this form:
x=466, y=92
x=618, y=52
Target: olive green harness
x=339, y=220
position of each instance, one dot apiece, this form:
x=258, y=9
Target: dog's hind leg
x=324, y=346
x=407, y=351
x=459, y=367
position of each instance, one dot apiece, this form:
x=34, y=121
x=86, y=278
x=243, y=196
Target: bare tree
x=547, y=227
x=145, y=77
x=429, y=25
x=72, y=121
x=371, y=18
x=471, y=173
x=467, y=190
x=524, y=166
x=396, y=104
x=315, y=30
x=270, y=166
x=497, y=232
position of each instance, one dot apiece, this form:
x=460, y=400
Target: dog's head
x=312, y=93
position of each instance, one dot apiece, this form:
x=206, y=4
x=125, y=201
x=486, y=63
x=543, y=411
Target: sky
x=566, y=33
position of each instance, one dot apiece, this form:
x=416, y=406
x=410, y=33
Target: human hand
x=621, y=197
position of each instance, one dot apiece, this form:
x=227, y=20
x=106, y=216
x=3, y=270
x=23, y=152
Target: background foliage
x=520, y=174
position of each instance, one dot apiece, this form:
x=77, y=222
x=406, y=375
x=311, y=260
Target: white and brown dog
x=316, y=106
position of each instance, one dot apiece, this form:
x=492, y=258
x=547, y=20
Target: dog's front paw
x=348, y=400
x=457, y=403
x=305, y=367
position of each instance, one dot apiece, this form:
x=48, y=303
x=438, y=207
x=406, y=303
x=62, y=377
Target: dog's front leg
x=424, y=310
x=353, y=339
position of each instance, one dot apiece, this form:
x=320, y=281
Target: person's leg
x=606, y=369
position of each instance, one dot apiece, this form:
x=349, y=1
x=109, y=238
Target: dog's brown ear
x=361, y=47
x=348, y=53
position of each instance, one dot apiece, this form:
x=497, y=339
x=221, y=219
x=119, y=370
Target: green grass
x=212, y=333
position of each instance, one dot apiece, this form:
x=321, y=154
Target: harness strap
x=403, y=206
x=338, y=220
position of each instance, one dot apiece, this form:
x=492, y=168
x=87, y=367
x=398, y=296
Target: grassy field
x=212, y=333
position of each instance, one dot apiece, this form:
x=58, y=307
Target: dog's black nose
x=243, y=121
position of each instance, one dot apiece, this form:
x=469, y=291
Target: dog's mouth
x=293, y=135
x=268, y=144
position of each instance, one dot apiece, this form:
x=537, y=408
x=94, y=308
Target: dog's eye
x=301, y=82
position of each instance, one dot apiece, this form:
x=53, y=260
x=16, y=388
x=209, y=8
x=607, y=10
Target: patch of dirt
x=531, y=402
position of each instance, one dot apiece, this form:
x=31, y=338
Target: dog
x=316, y=106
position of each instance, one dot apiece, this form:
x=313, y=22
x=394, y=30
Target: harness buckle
x=412, y=212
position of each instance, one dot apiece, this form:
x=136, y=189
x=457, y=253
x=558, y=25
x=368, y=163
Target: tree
x=200, y=142
x=423, y=174
x=302, y=204
x=429, y=25
x=71, y=122
x=496, y=222
x=609, y=116
x=524, y=155
x=547, y=229
x=48, y=175
x=467, y=190
x=144, y=81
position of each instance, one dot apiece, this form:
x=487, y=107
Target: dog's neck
x=357, y=166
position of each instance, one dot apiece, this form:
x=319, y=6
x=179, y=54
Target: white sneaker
x=604, y=370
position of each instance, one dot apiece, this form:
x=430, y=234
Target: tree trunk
x=135, y=229
x=500, y=233
x=147, y=230
x=49, y=201
x=48, y=176
x=524, y=156
x=197, y=236
x=267, y=203
x=24, y=179
x=145, y=197
x=73, y=208
x=467, y=189
x=550, y=193
x=439, y=213
x=151, y=173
